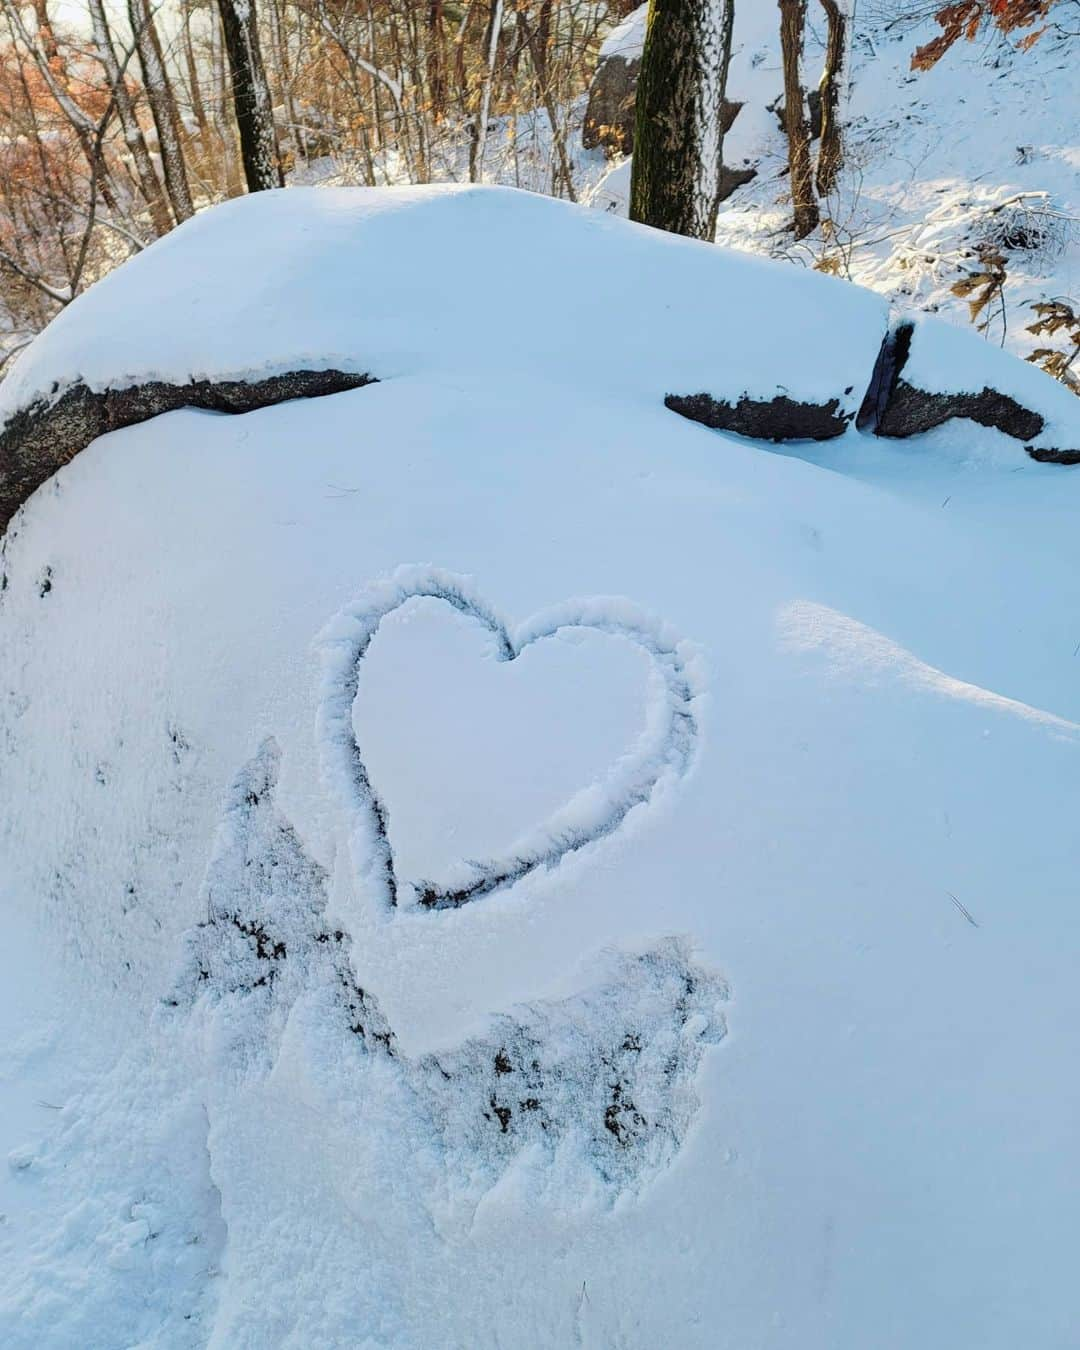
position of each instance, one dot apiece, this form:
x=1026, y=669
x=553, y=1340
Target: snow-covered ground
x=979, y=150
x=758, y=1029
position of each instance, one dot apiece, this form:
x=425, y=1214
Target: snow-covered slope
x=490, y=862
x=980, y=150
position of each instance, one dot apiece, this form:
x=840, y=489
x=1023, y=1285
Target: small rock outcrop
x=609, y=114
x=775, y=419
x=897, y=405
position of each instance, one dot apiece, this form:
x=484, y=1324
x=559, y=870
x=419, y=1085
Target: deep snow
x=781, y=1059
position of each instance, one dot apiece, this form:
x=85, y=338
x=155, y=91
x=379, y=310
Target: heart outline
x=664, y=755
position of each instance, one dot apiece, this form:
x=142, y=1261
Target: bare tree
x=494, y=30
x=796, y=122
x=159, y=95
x=251, y=96
x=133, y=136
x=830, y=148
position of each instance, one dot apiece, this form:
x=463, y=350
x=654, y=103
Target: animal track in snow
x=664, y=752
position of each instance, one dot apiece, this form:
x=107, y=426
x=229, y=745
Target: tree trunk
x=436, y=60
x=529, y=39
x=149, y=184
x=476, y=158
x=792, y=27
x=678, y=134
x=251, y=96
x=198, y=107
x=162, y=107
x=830, y=150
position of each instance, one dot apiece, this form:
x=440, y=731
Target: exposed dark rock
x=891, y=358
x=731, y=179
x=43, y=437
x=1047, y=456
x=910, y=410
x=896, y=408
x=775, y=419
x=609, y=115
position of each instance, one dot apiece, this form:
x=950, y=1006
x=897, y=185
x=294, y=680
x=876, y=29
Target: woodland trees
x=117, y=125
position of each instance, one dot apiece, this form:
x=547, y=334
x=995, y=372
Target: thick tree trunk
x=149, y=184
x=162, y=107
x=792, y=28
x=251, y=96
x=830, y=150
x=678, y=134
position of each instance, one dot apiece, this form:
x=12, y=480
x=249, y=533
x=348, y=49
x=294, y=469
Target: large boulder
x=341, y=290
x=609, y=114
x=490, y=863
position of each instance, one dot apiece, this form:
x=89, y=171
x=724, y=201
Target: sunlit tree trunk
x=792, y=29
x=678, y=134
x=251, y=96
x=830, y=149
x=159, y=95
x=149, y=184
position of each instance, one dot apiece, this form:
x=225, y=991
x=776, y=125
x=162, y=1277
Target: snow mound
x=360, y=280
x=759, y=974
x=627, y=38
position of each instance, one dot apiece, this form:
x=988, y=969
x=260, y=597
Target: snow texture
x=663, y=754
x=350, y=279
x=247, y=1102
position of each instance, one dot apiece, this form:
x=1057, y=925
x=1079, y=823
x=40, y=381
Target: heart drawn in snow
x=662, y=755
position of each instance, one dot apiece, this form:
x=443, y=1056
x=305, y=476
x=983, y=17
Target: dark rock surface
x=609, y=115
x=896, y=408
x=910, y=410
x=42, y=437
x=776, y=419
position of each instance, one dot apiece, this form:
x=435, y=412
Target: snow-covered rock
x=939, y=371
x=609, y=114
x=767, y=767
x=357, y=283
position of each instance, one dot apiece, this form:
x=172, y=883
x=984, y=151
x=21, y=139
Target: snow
x=627, y=38
x=798, y=1026
x=359, y=280
x=944, y=359
x=931, y=160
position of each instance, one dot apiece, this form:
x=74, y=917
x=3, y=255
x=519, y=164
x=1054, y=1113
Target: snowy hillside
x=978, y=152
x=487, y=861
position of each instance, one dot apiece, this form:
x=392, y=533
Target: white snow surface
x=627, y=38
x=396, y=282
x=943, y=359
x=979, y=150
x=779, y=1057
